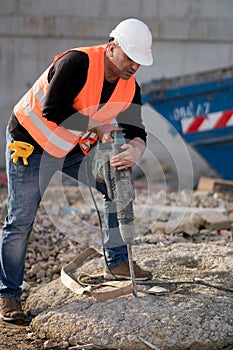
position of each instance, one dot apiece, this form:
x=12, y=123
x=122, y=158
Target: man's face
x=121, y=64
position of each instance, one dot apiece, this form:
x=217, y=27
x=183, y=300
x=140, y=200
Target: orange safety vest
x=57, y=140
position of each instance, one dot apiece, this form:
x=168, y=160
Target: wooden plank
x=214, y=185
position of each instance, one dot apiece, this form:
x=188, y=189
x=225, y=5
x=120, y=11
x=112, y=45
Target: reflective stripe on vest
x=57, y=140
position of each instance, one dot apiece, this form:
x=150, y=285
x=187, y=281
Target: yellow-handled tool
x=21, y=150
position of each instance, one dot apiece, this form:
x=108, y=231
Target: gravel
x=67, y=224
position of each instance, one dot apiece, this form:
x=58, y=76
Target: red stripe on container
x=222, y=121
x=194, y=126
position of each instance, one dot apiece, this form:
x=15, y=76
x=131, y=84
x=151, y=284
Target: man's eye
x=129, y=59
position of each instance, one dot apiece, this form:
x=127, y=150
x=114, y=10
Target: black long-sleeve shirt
x=66, y=79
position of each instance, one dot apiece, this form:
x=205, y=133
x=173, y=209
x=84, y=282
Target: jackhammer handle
x=118, y=137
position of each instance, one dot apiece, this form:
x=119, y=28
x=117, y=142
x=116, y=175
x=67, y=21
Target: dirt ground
x=16, y=337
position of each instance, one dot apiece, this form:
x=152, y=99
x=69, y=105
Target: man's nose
x=135, y=66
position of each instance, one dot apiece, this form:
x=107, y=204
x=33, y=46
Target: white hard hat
x=135, y=39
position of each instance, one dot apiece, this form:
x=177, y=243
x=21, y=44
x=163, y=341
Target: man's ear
x=110, y=48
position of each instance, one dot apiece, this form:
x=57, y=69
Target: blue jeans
x=26, y=186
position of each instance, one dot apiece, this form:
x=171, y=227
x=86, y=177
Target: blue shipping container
x=200, y=107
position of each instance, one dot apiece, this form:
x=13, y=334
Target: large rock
x=185, y=316
x=211, y=220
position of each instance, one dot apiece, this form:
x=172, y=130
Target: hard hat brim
x=144, y=60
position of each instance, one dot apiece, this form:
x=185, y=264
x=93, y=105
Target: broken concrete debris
x=193, y=240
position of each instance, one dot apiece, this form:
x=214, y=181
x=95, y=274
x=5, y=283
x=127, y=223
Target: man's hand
x=132, y=153
x=104, y=132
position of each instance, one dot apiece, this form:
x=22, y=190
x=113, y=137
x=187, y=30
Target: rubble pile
x=61, y=230
x=184, y=238
x=186, y=216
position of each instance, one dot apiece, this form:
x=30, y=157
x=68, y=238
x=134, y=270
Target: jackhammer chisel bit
x=120, y=190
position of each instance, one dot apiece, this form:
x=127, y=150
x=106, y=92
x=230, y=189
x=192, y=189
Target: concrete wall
x=189, y=36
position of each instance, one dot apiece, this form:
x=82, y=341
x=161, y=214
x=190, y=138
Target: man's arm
x=131, y=119
x=134, y=130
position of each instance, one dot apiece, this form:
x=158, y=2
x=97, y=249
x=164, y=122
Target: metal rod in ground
x=131, y=268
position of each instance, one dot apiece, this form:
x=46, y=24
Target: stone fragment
x=174, y=226
x=208, y=232
x=49, y=344
x=25, y=286
x=226, y=234
x=158, y=290
x=210, y=220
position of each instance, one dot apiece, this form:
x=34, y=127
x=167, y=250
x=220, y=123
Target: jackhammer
x=120, y=190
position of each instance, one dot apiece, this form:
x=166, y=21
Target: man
x=53, y=127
